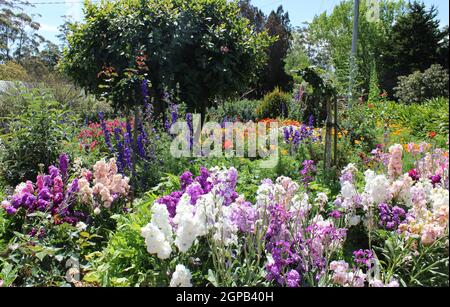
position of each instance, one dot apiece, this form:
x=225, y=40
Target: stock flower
x=201, y=208
x=181, y=277
x=439, y=198
x=414, y=175
x=363, y=257
x=377, y=187
x=348, y=173
x=156, y=242
x=436, y=179
x=391, y=218
x=194, y=191
x=171, y=201
x=158, y=233
x=377, y=283
x=64, y=165
x=293, y=279
x=187, y=228
x=244, y=215
x=395, y=161
x=335, y=214
x=186, y=180
x=53, y=194
x=347, y=278
x=308, y=172
x=340, y=275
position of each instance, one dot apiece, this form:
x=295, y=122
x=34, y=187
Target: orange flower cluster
x=281, y=123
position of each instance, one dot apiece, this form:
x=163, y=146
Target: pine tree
x=277, y=25
x=414, y=44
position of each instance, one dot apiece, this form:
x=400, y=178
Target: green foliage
x=413, y=44
x=44, y=259
x=329, y=40
x=3, y=227
x=297, y=57
x=277, y=26
x=420, y=86
x=197, y=49
x=274, y=105
x=320, y=89
x=421, y=119
x=35, y=136
x=412, y=263
x=125, y=261
x=11, y=71
x=360, y=125
x=231, y=110
x=69, y=98
x=18, y=31
x=374, y=88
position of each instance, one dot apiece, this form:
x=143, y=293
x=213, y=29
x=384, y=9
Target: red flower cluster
x=92, y=136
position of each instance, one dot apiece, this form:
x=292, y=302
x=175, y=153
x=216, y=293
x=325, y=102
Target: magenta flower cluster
x=308, y=172
x=390, y=218
x=363, y=257
x=50, y=193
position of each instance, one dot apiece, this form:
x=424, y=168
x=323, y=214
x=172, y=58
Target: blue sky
x=299, y=10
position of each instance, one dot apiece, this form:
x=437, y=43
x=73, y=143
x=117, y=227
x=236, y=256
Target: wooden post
x=336, y=131
x=329, y=126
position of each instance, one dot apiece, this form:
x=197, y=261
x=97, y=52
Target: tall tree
x=414, y=44
x=443, y=48
x=200, y=50
x=256, y=17
x=298, y=56
x=19, y=37
x=328, y=40
x=277, y=26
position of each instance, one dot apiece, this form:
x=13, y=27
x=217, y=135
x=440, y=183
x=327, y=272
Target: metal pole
x=355, y=28
x=353, y=66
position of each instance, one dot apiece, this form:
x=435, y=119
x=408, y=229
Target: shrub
x=420, y=86
x=11, y=71
x=231, y=110
x=359, y=123
x=75, y=98
x=69, y=97
x=35, y=136
x=421, y=119
x=274, y=105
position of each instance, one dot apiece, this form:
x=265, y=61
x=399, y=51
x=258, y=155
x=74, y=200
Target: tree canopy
x=416, y=43
x=197, y=50
x=328, y=40
x=18, y=31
